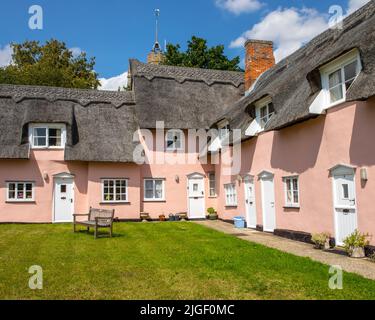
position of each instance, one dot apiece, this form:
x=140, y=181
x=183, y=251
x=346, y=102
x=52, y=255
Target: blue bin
x=239, y=222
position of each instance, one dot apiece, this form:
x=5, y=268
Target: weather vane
x=157, y=46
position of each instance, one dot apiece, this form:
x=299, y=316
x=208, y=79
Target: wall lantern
x=45, y=175
x=177, y=179
x=239, y=178
x=364, y=175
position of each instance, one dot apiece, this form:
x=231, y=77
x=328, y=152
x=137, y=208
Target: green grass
x=159, y=261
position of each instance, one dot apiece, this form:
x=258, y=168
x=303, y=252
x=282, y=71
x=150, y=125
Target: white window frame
x=264, y=103
x=154, y=199
x=334, y=66
x=231, y=199
x=212, y=188
x=179, y=134
x=292, y=203
x=32, y=199
x=47, y=126
x=114, y=190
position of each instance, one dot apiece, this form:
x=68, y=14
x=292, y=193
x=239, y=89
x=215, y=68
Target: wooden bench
x=97, y=218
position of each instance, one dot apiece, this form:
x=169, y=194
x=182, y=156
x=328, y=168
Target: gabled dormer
x=337, y=77
x=47, y=135
x=263, y=111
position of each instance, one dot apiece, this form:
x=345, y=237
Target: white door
x=63, y=200
x=345, y=207
x=196, y=201
x=251, y=216
x=268, y=203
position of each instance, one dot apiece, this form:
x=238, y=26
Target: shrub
x=356, y=240
x=211, y=211
x=320, y=239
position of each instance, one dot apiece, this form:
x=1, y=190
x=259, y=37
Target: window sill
x=47, y=148
x=212, y=197
x=151, y=200
x=20, y=201
x=231, y=206
x=292, y=207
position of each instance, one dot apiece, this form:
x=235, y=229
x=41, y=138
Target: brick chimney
x=259, y=58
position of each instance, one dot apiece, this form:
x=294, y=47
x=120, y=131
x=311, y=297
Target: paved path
x=362, y=267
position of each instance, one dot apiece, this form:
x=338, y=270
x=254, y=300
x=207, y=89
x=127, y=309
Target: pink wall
x=40, y=163
x=98, y=171
x=310, y=149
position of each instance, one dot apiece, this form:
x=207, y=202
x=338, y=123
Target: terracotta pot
x=213, y=216
x=162, y=218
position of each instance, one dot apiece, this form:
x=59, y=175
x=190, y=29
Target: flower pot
x=357, y=252
x=213, y=216
x=327, y=245
x=145, y=217
x=183, y=216
x=162, y=218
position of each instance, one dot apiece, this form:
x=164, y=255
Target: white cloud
x=355, y=4
x=239, y=6
x=112, y=84
x=5, y=55
x=75, y=51
x=288, y=28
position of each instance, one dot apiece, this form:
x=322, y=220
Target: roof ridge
x=82, y=96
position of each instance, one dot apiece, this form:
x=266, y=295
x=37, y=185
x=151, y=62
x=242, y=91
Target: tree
x=200, y=56
x=51, y=64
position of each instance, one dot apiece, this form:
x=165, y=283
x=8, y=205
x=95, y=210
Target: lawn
x=159, y=261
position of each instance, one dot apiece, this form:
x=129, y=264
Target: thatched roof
x=100, y=124
x=294, y=82
x=184, y=98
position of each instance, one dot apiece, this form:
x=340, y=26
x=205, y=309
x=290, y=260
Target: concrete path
x=362, y=267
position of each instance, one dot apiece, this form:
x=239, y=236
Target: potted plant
x=212, y=214
x=355, y=244
x=145, y=216
x=321, y=240
x=162, y=217
x=183, y=216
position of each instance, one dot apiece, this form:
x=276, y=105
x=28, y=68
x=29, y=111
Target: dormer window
x=339, y=75
x=174, y=140
x=47, y=136
x=264, y=111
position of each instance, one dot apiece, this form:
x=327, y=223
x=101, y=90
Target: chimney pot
x=259, y=58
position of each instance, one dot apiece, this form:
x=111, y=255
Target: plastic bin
x=239, y=222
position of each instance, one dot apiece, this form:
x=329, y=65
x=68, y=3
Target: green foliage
x=320, y=239
x=211, y=211
x=356, y=240
x=198, y=55
x=51, y=64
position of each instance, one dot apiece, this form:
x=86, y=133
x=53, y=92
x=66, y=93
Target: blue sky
x=115, y=30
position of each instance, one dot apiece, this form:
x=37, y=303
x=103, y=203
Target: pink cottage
x=303, y=160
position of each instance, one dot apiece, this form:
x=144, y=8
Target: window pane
x=54, y=141
x=336, y=93
x=149, y=194
x=158, y=189
x=345, y=191
x=20, y=191
x=350, y=71
x=149, y=185
x=263, y=112
x=40, y=142
x=271, y=109
x=40, y=132
x=295, y=184
x=335, y=78
x=12, y=192
x=295, y=197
